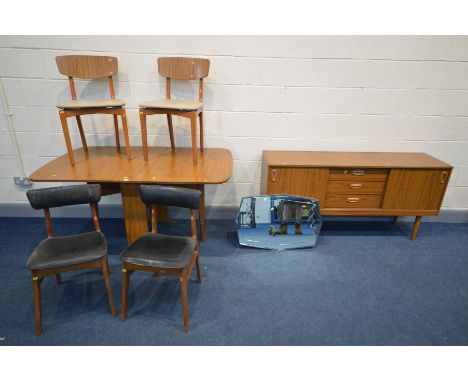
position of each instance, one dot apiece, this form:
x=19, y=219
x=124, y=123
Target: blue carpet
x=365, y=283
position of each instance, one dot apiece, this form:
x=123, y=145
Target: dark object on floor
x=163, y=254
x=56, y=255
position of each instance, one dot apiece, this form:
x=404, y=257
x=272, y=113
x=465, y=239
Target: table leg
x=417, y=223
x=134, y=209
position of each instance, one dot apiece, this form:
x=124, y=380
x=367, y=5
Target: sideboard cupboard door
x=415, y=189
x=298, y=181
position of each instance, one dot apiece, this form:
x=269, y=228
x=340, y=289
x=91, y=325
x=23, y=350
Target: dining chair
x=164, y=254
x=56, y=255
x=178, y=68
x=90, y=67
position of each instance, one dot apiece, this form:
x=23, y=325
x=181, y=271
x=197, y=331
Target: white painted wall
x=350, y=93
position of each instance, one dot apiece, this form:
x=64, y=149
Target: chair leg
x=171, y=130
x=200, y=117
x=105, y=272
x=37, y=303
x=183, y=289
x=66, y=133
x=193, y=125
x=144, y=136
x=58, y=279
x=125, y=284
x=80, y=128
x=199, y=277
x=116, y=129
x=126, y=138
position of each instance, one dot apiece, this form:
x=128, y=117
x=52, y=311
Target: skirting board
x=23, y=209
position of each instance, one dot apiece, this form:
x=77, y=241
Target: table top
x=107, y=165
x=352, y=159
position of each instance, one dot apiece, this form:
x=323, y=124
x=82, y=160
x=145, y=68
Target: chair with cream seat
x=178, y=68
x=90, y=67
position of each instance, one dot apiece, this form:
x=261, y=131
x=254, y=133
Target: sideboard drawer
x=355, y=187
x=353, y=201
x=358, y=173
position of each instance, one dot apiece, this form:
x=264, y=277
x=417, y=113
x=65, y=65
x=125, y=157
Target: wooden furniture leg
x=201, y=212
x=417, y=223
x=144, y=136
x=199, y=277
x=183, y=289
x=58, y=279
x=200, y=116
x=116, y=129
x=66, y=133
x=193, y=127
x=80, y=128
x=171, y=130
x=37, y=303
x=127, y=139
x=125, y=284
x=134, y=211
x=105, y=273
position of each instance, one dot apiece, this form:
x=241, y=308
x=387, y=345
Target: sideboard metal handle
x=355, y=185
x=353, y=200
x=443, y=178
x=358, y=172
x=273, y=175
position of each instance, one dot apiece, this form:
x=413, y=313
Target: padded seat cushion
x=176, y=104
x=90, y=103
x=68, y=250
x=157, y=250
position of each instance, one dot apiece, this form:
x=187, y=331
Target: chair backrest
x=183, y=68
x=45, y=198
x=87, y=67
x=171, y=196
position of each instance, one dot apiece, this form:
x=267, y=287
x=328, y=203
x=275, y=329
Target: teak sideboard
x=360, y=183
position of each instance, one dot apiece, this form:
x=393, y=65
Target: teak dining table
x=117, y=174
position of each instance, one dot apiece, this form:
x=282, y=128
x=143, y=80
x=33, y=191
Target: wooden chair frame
x=182, y=273
x=179, y=68
x=91, y=67
x=39, y=274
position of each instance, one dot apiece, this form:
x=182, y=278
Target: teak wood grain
x=116, y=174
x=183, y=68
x=179, y=68
x=87, y=67
x=90, y=67
x=360, y=184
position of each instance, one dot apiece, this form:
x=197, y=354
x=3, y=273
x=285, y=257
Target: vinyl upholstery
x=157, y=250
x=68, y=250
x=90, y=103
x=170, y=196
x=176, y=104
x=64, y=196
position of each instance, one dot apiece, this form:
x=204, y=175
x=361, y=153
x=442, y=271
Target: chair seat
x=90, y=103
x=161, y=251
x=175, y=104
x=68, y=250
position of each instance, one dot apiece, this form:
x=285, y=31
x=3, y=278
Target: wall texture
x=355, y=93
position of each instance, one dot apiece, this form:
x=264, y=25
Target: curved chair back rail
x=87, y=67
x=64, y=196
x=170, y=196
x=183, y=68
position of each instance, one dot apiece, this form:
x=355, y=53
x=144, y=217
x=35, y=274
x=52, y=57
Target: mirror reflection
x=278, y=222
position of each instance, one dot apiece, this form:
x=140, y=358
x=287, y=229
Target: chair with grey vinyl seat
x=164, y=254
x=56, y=255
